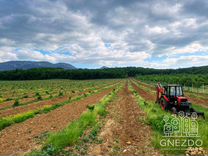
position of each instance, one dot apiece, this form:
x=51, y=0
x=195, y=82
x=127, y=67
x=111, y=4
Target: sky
x=113, y=33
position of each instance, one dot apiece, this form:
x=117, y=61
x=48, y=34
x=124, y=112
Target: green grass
x=72, y=133
x=7, y=121
x=155, y=117
x=56, y=142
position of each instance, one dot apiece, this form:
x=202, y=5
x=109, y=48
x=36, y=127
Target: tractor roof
x=173, y=85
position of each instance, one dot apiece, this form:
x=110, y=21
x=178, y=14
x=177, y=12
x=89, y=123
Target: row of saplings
x=38, y=97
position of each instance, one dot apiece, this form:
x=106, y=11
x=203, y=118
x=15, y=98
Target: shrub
x=37, y=94
x=25, y=96
x=8, y=99
x=91, y=107
x=39, y=97
x=16, y=103
x=61, y=93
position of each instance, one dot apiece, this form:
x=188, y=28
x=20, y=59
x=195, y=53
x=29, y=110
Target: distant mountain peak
x=24, y=65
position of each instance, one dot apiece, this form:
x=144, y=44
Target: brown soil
x=23, y=137
x=33, y=106
x=36, y=105
x=10, y=103
x=143, y=94
x=31, y=99
x=146, y=85
x=201, y=102
x=124, y=132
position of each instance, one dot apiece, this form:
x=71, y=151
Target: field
x=89, y=117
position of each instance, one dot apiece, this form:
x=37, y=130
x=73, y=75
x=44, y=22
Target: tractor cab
x=175, y=95
x=173, y=90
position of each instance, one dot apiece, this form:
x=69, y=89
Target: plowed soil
x=33, y=106
x=146, y=85
x=20, y=138
x=144, y=94
x=201, y=102
x=124, y=132
x=36, y=105
x=22, y=101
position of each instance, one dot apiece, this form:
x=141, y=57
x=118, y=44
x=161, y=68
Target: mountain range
x=24, y=65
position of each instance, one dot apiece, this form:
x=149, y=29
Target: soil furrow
x=144, y=94
x=33, y=106
x=23, y=137
x=36, y=105
x=124, y=133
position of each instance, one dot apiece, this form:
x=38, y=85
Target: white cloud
x=114, y=33
x=7, y=53
x=156, y=30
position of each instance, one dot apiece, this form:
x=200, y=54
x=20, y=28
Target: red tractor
x=171, y=98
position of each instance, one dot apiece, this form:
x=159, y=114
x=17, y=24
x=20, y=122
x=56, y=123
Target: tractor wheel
x=163, y=104
x=173, y=109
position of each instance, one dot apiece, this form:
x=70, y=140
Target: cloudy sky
x=94, y=33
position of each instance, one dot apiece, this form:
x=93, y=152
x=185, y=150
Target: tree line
x=81, y=74
x=196, y=80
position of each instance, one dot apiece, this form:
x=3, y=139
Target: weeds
x=25, y=96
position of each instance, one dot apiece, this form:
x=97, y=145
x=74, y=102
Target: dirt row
x=24, y=137
x=22, y=101
x=33, y=106
x=31, y=99
x=124, y=132
x=144, y=94
x=36, y=105
x=197, y=101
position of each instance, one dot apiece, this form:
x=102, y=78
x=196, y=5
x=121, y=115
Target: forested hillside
x=199, y=73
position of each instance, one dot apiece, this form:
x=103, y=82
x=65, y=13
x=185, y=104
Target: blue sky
x=114, y=33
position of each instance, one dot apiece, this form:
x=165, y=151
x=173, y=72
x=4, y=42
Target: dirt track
x=23, y=137
x=144, y=94
x=22, y=101
x=124, y=133
x=33, y=106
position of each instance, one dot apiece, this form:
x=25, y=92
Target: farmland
x=80, y=117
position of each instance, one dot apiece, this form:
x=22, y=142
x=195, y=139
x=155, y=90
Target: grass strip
x=154, y=118
x=56, y=142
x=7, y=121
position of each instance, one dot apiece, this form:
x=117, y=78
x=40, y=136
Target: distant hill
x=104, y=67
x=24, y=65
